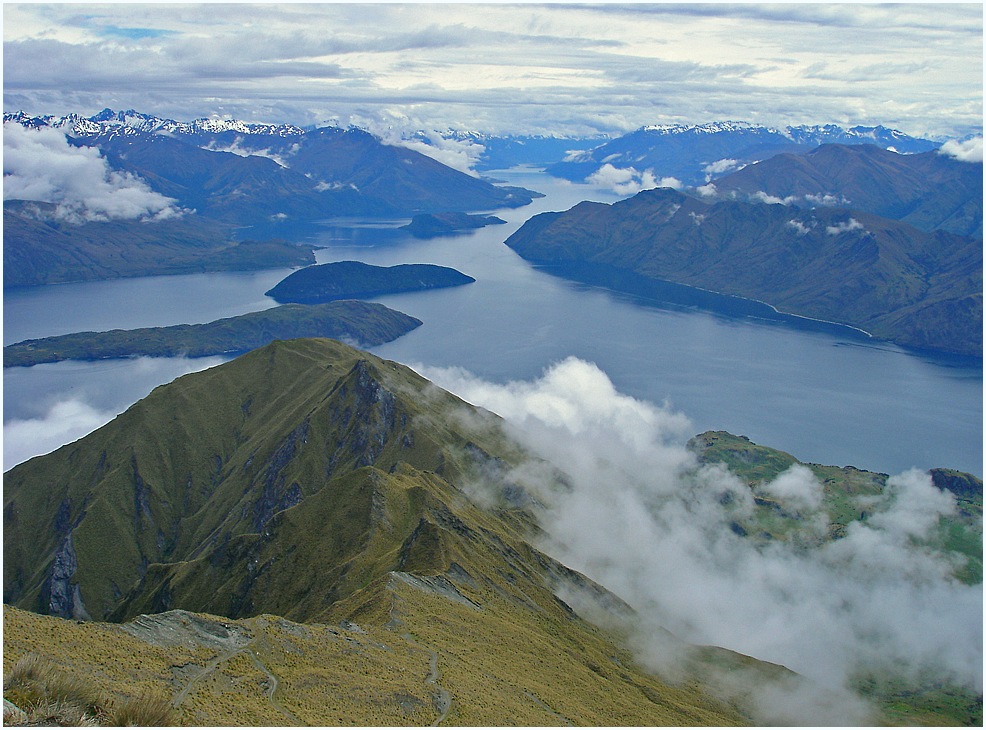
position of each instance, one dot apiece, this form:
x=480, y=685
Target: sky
x=575, y=69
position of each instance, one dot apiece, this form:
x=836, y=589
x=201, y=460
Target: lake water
x=825, y=396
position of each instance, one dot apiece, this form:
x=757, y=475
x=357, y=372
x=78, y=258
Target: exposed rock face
x=959, y=483
x=64, y=596
x=12, y=714
x=275, y=496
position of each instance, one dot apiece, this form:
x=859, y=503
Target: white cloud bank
x=41, y=166
x=720, y=167
x=64, y=422
x=969, y=151
x=644, y=519
x=850, y=225
x=240, y=149
x=630, y=181
x=461, y=155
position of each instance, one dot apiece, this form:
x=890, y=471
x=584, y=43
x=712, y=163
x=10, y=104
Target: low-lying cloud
x=970, y=150
x=845, y=227
x=460, y=154
x=239, y=148
x=41, y=166
x=719, y=167
x=84, y=397
x=64, y=422
x=629, y=180
x=642, y=517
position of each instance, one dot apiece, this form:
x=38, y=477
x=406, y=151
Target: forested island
x=356, y=280
x=431, y=225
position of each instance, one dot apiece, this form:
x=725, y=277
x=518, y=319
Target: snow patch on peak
x=130, y=121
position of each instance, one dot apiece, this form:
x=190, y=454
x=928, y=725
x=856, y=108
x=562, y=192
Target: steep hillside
x=930, y=191
x=918, y=289
x=324, y=485
x=232, y=188
x=272, y=429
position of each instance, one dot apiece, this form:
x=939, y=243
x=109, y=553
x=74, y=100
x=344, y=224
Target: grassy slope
x=363, y=322
x=843, y=487
x=498, y=666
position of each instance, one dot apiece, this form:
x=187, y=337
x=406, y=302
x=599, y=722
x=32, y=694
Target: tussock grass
x=51, y=695
x=48, y=694
x=147, y=710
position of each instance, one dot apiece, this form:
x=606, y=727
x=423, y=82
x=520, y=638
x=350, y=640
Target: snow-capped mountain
x=694, y=154
x=109, y=121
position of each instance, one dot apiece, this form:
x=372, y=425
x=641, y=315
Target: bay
x=825, y=395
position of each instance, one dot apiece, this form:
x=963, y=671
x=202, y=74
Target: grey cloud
x=261, y=58
x=924, y=18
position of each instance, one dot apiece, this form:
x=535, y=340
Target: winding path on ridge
x=213, y=665
x=442, y=699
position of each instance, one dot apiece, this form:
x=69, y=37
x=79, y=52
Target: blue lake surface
x=829, y=397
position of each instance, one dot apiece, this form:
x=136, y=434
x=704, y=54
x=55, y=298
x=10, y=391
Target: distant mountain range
x=296, y=173
x=696, y=154
x=228, y=177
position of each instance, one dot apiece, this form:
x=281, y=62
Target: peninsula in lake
x=920, y=289
x=356, y=280
x=366, y=323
